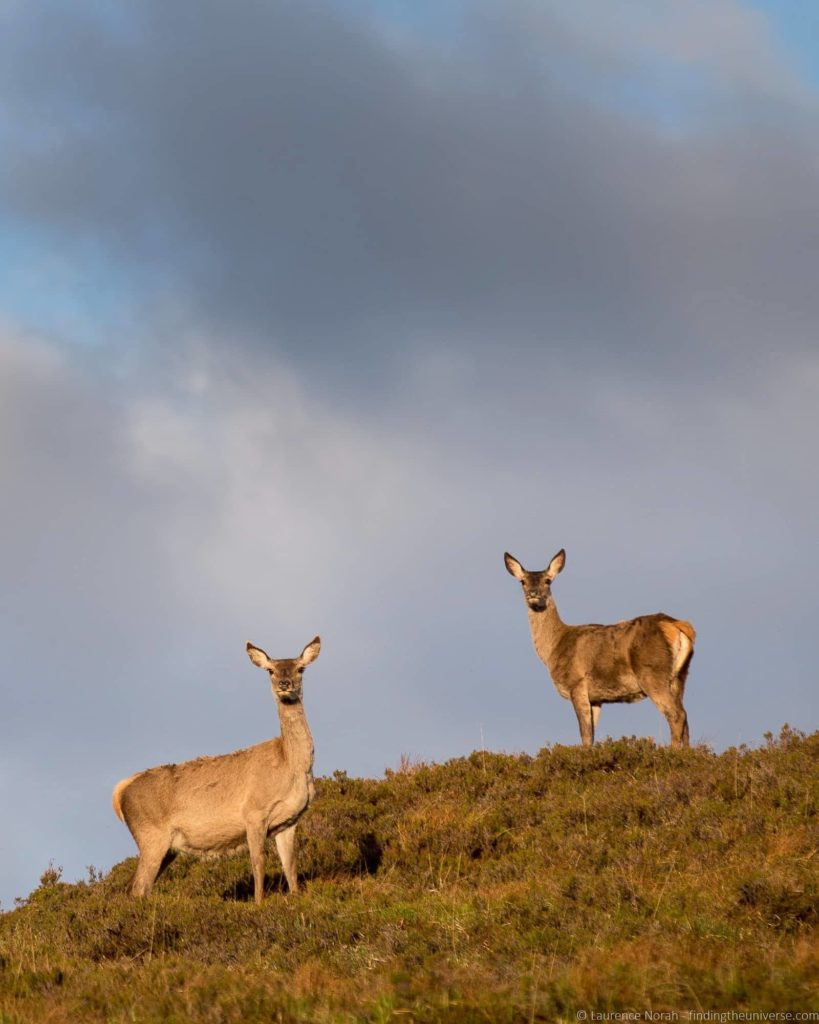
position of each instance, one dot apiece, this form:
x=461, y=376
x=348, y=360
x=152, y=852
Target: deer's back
x=204, y=803
x=618, y=660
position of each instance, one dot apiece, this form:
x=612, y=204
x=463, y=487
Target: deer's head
x=537, y=586
x=285, y=674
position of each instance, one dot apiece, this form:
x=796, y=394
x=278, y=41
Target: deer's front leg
x=583, y=710
x=285, y=844
x=256, y=835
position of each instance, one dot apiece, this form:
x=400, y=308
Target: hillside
x=491, y=888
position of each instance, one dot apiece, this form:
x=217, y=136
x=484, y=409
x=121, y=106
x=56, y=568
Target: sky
x=308, y=312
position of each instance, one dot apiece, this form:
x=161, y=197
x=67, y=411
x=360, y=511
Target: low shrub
x=493, y=887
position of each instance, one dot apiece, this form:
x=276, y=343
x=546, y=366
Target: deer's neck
x=547, y=628
x=296, y=738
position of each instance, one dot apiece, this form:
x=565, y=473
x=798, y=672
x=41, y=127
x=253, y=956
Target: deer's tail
x=116, y=796
x=680, y=636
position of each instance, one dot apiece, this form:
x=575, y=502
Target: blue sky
x=796, y=27
x=308, y=314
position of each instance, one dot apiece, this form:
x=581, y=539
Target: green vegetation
x=491, y=888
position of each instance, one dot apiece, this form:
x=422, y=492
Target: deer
x=622, y=663
x=217, y=805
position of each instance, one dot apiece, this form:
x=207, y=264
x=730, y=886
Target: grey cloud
x=291, y=171
x=395, y=305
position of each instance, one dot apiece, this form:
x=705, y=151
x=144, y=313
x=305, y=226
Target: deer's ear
x=257, y=656
x=310, y=652
x=556, y=564
x=514, y=567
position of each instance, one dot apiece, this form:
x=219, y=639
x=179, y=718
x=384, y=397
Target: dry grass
x=490, y=888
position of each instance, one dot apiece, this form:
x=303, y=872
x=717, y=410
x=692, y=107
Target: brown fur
x=594, y=664
x=214, y=805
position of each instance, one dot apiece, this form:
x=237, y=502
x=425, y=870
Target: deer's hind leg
x=154, y=855
x=671, y=705
x=677, y=690
x=677, y=687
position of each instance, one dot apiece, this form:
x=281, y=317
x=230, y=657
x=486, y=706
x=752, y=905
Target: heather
x=494, y=887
